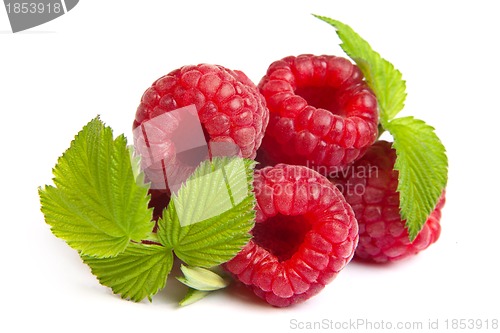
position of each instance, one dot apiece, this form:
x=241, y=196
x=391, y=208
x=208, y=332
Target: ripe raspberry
x=369, y=187
x=322, y=113
x=232, y=113
x=305, y=233
x=229, y=105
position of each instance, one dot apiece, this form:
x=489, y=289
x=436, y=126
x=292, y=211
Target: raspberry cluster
x=309, y=112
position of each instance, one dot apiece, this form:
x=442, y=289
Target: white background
x=102, y=55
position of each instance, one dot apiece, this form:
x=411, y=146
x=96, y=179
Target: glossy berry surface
x=322, y=113
x=369, y=186
x=305, y=233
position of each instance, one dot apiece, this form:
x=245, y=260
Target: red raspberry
x=369, y=186
x=305, y=233
x=322, y=113
x=229, y=105
x=232, y=113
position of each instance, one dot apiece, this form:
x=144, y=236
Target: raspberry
x=305, y=233
x=369, y=186
x=232, y=113
x=230, y=107
x=322, y=113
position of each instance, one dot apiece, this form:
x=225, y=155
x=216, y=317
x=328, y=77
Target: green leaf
x=97, y=205
x=208, y=221
x=421, y=157
x=201, y=279
x=138, y=272
x=192, y=296
x=385, y=80
x=214, y=187
x=423, y=170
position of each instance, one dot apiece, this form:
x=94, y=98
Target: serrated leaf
x=423, y=170
x=193, y=296
x=214, y=241
x=225, y=230
x=96, y=205
x=225, y=177
x=201, y=279
x=138, y=272
x=385, y=80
